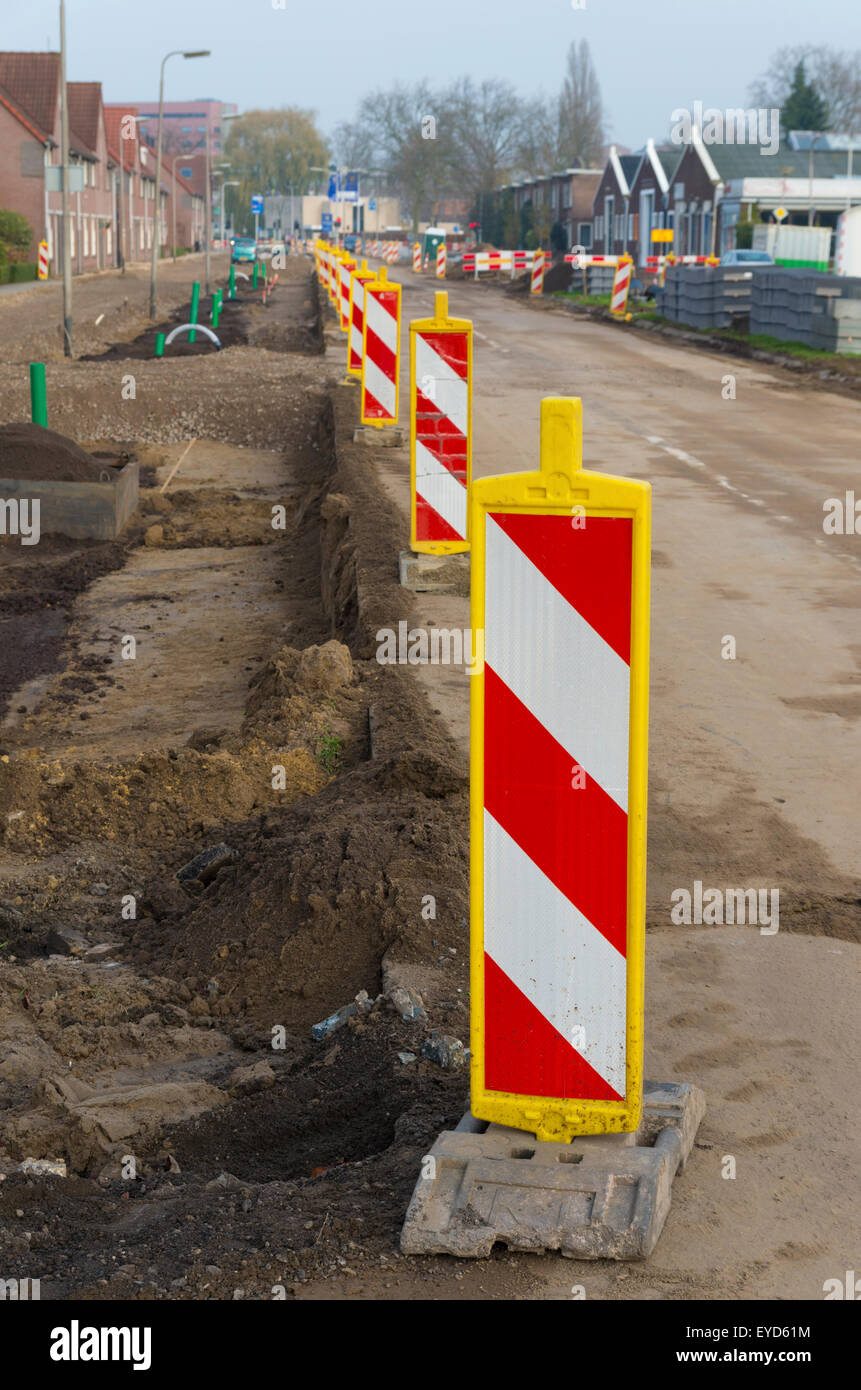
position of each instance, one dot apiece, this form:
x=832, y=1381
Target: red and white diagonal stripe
x=380, y=363
x=556, y=700
x=345, y=272
x=621, y=285
x=357, y=318
x=442, y=425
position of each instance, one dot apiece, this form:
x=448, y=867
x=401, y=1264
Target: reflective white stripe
x=568, y=677
x=554, y=955
x=381, y=322
x=449, y=391
x=440, y=489
x=355, y=330
x=380, y=387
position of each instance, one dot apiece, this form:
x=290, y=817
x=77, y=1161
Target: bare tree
x=581, y=111
x=538, y=147
x=486, y=121
x=409, y=137
x=834, y=74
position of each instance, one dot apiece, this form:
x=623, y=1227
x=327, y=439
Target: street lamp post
x=175, y=53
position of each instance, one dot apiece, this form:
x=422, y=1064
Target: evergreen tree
x=804, y=108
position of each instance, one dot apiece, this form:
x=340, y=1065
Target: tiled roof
x=31, y=80
x=9, y=104
x=113, y=134
x=85, y=103
x=752, y=162
x=630, y=164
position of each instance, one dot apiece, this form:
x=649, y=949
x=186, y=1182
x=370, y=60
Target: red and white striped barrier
x=390, y=252
x=355, y=343
x=621, y=286
x=440, y=260
x=440, y=430
x=558, y=763
x=381, y=351
x=573, y=258
x=43, y=262
x=345, y=270
x=478, y=262
x=536, y=282
x=417, y=258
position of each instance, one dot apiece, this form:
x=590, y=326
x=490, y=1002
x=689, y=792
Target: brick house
x=30, y=144
x=651, y=199
x=715, y=185
x=612, y=214
x=136, y=185
x=562, y=199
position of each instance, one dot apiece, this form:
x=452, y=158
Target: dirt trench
x=159, y=1027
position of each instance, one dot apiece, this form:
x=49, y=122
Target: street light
x=225, y=183
x=175, y=53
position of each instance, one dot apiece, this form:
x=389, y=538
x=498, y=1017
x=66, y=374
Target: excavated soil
x=156, y=1029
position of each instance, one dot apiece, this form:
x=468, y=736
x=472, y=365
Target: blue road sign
x=372, y=205
x=257, y=202
x=333, y=187
x=326, y=220
x=351, y=188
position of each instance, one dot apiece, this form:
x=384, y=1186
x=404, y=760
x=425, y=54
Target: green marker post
x=232, y=290
x=159, y=345
x=195, y=301
x=254, y=276
x=38, y=395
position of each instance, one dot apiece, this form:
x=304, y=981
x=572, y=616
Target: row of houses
x=115, y=211
x=700, y=191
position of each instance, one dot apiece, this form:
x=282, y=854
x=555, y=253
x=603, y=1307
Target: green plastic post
x=254, y=276
x=232, y=293
x=195, y=301
x=159, y=345
x=38, y=395
x=215, y=312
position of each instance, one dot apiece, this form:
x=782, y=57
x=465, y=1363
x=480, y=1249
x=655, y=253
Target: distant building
x=186, y=124
x=562, y=199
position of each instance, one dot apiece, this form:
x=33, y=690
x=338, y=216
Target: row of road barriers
x=793, y=305
x=559, y=565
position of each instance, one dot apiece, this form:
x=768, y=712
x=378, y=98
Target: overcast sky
x=651, y=55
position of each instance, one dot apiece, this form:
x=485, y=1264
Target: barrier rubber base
x=599, y=1197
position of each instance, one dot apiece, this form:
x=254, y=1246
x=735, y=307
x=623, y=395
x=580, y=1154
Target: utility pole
x=64, y=161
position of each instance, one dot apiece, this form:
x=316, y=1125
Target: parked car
x=244, y=248
x=746, y=258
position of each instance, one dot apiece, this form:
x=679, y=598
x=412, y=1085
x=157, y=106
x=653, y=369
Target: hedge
x=14, y=272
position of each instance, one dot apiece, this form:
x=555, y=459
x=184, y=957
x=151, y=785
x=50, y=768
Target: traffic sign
x=780, y=214
x=326, y=223
x=257, y=202
x=662, y=234
x=372, y=205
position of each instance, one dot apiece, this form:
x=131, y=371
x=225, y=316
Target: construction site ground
x=254, y=714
